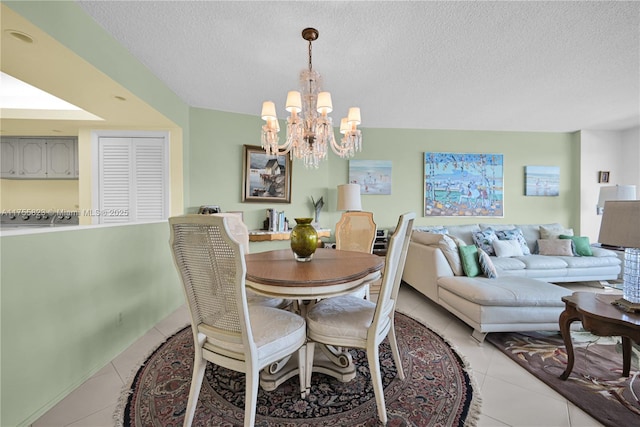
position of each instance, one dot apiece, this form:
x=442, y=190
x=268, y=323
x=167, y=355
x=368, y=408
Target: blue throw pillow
x=515, y=234
x=484, y=240
x=486, y=265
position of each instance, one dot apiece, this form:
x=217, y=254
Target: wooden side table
x=601, y=318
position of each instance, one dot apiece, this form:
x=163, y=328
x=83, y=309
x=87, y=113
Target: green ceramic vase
x=304, y=239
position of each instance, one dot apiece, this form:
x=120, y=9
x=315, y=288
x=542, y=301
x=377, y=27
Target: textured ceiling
x=524, y=66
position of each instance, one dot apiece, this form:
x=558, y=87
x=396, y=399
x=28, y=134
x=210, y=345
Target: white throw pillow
x=507, y=248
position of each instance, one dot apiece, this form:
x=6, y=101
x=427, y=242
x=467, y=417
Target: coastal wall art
x=542, y=180
x=374, y=176
x=463, y=184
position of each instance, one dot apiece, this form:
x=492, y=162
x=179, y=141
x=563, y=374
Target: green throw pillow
x=470, y=262
x=581, y=244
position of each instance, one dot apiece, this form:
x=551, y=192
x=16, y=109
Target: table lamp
x=620, y=228
x=615, y=192
x=349, y=197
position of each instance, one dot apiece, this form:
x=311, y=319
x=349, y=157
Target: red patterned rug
x=596, y=384
x=437, y=391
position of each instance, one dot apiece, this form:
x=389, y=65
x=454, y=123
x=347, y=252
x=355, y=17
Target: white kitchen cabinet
x=9, y=158
x=39, y=158
x=61, y=154
x=32, y=158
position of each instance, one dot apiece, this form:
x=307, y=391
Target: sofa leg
x=479, y=336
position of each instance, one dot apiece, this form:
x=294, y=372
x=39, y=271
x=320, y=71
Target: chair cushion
x=344, y=316
x=276, y=330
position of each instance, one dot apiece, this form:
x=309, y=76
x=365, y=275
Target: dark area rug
x=437, y=391
x=596, y=384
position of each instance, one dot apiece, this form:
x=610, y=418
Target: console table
x=601, y=318
x=263, y=235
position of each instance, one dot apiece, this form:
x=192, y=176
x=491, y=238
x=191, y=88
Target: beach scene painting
x=373, y=176
x=463, y=184
x=542, y=180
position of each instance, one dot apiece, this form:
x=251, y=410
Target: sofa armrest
x=424, y=265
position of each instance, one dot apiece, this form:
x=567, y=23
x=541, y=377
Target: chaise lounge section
x=521, y=297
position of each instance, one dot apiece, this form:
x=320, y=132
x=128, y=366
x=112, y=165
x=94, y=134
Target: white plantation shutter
x=132, y=180
x=115, y=180
x=150, y=166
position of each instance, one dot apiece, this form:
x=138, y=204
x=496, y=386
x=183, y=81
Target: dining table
x=329, y=273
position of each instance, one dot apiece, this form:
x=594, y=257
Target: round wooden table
x=330, y=273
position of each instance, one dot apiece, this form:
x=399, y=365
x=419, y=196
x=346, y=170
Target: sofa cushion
x=463, y=232
x=487, y=267
x=590, y=262
x=556, y=247
x=542, y=262
x=507, y=248
x=484, y=240
x=445, y=243
x=426, y=238
x=470, y=262
x=514, y=234
x=505, y=291
x=581, y=244
x=553, y=231
x=508, y=263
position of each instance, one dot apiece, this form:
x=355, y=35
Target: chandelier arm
x=337, y=148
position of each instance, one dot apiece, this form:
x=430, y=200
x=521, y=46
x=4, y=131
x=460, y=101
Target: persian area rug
x=437, y=391
x=596, y=384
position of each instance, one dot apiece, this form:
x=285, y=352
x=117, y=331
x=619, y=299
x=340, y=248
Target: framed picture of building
x=265, y=178
x=542, y=180
x=463, y=184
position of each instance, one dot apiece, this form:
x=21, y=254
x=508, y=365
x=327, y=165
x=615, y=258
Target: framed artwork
x=463, y=184
x=374, y=176
x=265, y=178
x=541, y=180
x=603, y=176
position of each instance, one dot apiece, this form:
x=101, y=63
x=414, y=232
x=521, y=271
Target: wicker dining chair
x=227, y=330
x=240, y=233
x=356, y=231
x=352, y=322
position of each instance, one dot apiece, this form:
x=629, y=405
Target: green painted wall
x=216, y=171
x=72, y=301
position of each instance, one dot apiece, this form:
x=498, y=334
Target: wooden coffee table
x=601, y=318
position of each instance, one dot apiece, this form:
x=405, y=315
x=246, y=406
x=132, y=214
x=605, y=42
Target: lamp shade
x=616, y=192
x=349, y=197
x=620, y=225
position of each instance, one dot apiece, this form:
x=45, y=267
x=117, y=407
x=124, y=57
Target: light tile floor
x=510, y=395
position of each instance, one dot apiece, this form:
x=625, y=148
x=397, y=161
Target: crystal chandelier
x=309, y=128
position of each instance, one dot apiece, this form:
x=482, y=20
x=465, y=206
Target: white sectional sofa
x=520, y=298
